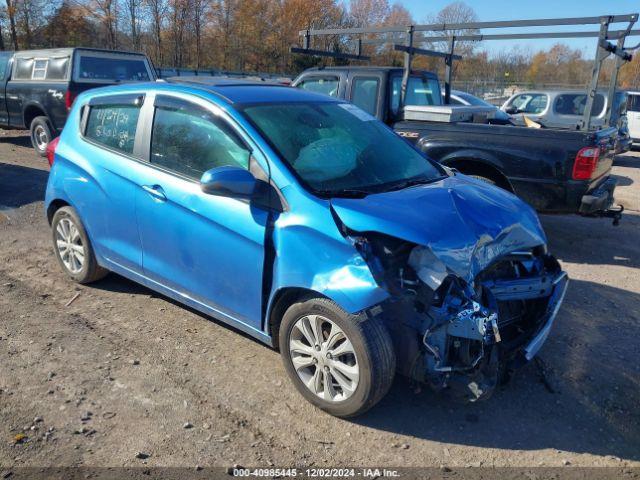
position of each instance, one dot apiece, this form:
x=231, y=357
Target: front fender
x=311, y=253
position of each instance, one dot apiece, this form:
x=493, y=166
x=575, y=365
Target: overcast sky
x=489, y=10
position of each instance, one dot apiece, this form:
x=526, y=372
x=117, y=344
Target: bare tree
x=133, y=11
x=11, y=13
x=158, y=11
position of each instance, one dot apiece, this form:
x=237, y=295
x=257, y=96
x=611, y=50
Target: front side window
x=533, y=103
x=633, y=103
x=111, y=69
x=323, y=85
x=113, y=126
x=421, y=91
x=191, y=140
x=4, y=62
x=575, y=103
x=364, y=93
x=336, y=149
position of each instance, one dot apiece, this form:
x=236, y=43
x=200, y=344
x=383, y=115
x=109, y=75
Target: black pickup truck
x=557, y=171
x=37, y=87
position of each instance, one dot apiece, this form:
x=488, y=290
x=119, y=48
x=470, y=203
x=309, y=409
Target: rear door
x=5, y=58
x=364, y=89
x=110, y=125
x=633, y=115
x=206, y=249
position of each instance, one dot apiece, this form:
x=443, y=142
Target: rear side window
x=575, y=103
x=421, y=91
x=364, y=93
x=111, y=69
x=113, y=126
x=23, y=68
x=57, y=68
x=323, y=85
x=633, y=103
x=189, y=140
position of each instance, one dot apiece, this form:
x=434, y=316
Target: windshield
x=336, y=149
x=420, y=91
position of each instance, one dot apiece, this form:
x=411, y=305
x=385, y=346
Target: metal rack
x=414, y=35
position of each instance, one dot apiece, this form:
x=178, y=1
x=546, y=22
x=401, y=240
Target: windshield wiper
x=412, y=183
x=344, y=193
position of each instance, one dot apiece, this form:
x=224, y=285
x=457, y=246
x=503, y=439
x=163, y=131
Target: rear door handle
x=155, y=191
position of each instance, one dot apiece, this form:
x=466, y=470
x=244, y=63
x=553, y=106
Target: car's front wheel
x=342, y=363
x=73, y=248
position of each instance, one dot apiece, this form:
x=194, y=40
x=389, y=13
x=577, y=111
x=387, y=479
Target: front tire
x=73, y=248
x=41, y=135
x=343, y=364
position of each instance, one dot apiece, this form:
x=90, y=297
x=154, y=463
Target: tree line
x=255, y=35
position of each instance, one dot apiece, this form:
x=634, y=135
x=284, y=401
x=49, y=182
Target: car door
x=5, y=58
x=364, y=92
x=205, y=249
x=111, y=134
x=633, y=115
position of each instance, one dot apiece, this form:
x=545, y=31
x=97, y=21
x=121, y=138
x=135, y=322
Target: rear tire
x=41, y=135
x=73, y=248
x=353, y=352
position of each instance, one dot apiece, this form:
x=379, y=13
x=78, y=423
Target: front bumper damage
x=461, y=337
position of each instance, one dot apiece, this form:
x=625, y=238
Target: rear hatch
x=98, y=68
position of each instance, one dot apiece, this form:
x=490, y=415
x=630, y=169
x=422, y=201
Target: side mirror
x=511, y=110
x=231, y=182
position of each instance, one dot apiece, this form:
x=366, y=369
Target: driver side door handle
x=156, y=192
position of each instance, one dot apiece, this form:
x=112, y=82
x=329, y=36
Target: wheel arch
x=54, y=206
x=479, y=166
x=31, y=111
x=280, y=302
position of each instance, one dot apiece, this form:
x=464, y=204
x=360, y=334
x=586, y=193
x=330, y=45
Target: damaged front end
x=462, y=334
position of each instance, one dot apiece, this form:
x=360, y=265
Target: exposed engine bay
x=459, y=335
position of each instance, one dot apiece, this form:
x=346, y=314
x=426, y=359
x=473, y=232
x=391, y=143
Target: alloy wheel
x=69, y=245
x=324, y=358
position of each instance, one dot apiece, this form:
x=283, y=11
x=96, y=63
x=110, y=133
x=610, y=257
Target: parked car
x=37, y=87
x=565, y=108
x=553, y=170
x=308, y=224
x=499, y=117
x=633, y=116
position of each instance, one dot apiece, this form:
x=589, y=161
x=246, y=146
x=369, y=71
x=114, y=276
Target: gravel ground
x=122, y=370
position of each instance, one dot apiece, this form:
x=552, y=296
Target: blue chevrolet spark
x=311, y=226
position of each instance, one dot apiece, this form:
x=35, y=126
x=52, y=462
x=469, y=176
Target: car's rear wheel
x=41, y=135
x=342, y=363
x=73, y=248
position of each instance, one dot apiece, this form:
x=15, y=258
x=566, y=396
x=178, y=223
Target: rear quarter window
x=113, y=126
x=575, y=103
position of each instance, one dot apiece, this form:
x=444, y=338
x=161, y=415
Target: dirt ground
x=122, y=370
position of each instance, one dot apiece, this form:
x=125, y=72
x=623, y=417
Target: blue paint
x=211, y=252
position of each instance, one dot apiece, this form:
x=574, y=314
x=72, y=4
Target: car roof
x=229, y=90
x=58, y=52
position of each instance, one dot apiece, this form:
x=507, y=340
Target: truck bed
x=536, y=164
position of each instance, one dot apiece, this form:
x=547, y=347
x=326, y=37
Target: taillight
x=69, y=97
x=586, y=162
x=51, y=150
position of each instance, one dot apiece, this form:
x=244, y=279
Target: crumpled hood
x=465, y=222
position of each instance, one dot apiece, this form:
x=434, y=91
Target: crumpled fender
x=311, y=253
